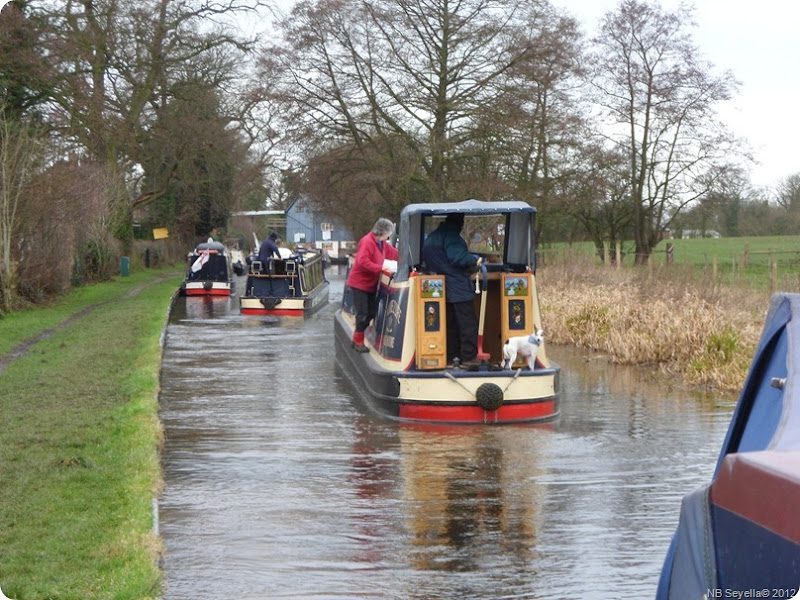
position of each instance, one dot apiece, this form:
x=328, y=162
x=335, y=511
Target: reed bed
x=695, y=333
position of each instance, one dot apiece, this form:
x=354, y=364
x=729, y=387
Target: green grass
x=745, y=260
x=19, y=326
x=79, y=462
x=739, y=260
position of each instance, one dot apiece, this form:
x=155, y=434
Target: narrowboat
x=739, y=535
x=294, y=285
x=405, y=374
x=208, y=271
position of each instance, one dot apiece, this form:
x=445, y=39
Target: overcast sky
x=758, y=42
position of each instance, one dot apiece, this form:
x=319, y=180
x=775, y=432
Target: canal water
x=279, y=483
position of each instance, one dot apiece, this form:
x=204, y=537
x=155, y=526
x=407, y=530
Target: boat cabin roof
x=513, y=231
x=219, y=247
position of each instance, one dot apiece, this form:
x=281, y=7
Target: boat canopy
x=519, y=244
x=219, y=247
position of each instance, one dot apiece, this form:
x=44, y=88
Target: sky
x=757, y=42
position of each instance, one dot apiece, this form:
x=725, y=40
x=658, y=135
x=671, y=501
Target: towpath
x=22, y=348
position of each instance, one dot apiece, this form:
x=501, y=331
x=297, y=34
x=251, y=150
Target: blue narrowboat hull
x=292, y=287
x=739, y=536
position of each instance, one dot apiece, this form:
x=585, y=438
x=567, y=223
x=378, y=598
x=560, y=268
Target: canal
x=279, y=483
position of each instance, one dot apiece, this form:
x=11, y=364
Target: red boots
x=358, y=342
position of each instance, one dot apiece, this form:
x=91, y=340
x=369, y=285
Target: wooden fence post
x=619, y=255
x=670, y=253
x=774, y=275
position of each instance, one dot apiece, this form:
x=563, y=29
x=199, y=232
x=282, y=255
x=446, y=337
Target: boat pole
x=482, y=356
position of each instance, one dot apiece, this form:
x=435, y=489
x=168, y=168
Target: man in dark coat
x=446, y=252
x=268, y=249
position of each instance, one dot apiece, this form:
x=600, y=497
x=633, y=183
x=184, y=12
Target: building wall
x=303, y=225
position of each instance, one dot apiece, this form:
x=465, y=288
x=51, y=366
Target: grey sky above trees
x=364, y=106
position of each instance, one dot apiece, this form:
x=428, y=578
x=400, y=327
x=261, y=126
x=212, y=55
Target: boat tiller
x=482, y=356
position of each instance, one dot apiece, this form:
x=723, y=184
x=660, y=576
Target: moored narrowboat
x=291, y=286
x=407, y=373
x=208, y=271
x=739, y=535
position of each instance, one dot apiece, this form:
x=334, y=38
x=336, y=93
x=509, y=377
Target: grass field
x=79, y=446
x=769, y=262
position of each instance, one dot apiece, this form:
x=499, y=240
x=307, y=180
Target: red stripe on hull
x=211, y=292
x=508, y=413
x=282, y=312
x=762, y=487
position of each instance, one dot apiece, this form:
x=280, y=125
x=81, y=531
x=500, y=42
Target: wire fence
x=773, y=270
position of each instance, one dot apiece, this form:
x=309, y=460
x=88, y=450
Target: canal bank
x=79, y=446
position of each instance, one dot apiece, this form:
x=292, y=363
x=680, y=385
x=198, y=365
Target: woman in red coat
x=363, y=279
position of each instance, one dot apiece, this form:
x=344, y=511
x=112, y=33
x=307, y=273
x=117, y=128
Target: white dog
x=522, y=345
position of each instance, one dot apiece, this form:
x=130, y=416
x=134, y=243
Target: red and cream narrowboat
x=208, y=271
x=293, y=286
x=405, y=374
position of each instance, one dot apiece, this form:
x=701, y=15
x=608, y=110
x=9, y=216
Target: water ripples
x=278, y=484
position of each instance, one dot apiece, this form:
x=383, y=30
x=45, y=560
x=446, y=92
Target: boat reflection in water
x=473, y=497
x=207, y=307
x=471, y=501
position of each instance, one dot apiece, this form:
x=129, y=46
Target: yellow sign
x=160, y=233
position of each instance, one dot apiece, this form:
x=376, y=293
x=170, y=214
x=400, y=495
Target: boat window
x=485, y=234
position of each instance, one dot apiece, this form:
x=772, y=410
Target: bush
x=692, y=330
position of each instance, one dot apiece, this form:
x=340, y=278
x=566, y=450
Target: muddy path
x=23, y=347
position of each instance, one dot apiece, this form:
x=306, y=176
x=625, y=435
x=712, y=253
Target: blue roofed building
x=305, y=225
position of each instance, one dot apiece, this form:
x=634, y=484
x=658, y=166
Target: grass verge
x=79, y=446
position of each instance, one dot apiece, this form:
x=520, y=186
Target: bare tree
x=660, y=98
x=538, y=125
x=117, y=65
x=393, y=80
x=787, y=194
x=20, y=156
x=599, y=198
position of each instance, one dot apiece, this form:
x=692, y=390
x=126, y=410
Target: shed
x=305, y=225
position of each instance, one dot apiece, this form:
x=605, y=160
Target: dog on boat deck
x=522, y=345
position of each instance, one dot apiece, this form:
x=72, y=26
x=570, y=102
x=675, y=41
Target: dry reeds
x=696, y=332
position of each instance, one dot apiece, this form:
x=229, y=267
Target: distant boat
x=291, y=286
x=739, y=535
x=405, y=375
x=208, y=271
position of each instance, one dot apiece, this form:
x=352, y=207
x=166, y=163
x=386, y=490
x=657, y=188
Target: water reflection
x=280, y=484
x=472, y=496
x=203, y=307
